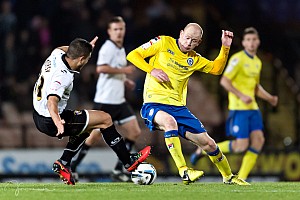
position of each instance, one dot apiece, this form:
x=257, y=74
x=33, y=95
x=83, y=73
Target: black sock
x=129, y=144
x=81, y=154
x=116, y=142
x=73, y=146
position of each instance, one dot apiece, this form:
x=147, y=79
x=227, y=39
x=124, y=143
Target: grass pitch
x=157, y=191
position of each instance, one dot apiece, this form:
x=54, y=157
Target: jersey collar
x=115, y=44
x=63, y=57
x=250, y=56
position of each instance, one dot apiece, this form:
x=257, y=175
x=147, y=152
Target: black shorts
x=76, y=123
x=120, y=113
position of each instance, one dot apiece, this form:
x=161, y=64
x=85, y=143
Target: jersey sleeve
x=138, y=55
x=232, y=67
x=216, y=66
x=58, y=84
x=105, y=55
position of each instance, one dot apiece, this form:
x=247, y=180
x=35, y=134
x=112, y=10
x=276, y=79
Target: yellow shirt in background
x=244, y=73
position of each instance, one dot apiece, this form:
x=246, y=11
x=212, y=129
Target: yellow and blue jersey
x=165, y=54
x=244, y=72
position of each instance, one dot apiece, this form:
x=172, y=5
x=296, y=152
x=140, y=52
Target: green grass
x=166, y=191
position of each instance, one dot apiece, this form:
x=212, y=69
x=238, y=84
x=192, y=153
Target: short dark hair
x=250, y=30
x=115, y=19
x=79, y=47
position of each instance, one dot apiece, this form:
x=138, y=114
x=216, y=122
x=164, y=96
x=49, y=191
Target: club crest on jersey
x=190, y=61
x=150, y=43
x=77, y=112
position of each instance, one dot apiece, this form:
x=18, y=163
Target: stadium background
x=30, y=29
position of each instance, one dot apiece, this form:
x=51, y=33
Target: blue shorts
x=186, y=121
x=240, y=123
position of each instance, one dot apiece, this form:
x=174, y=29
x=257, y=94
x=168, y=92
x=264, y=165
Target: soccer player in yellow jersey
x=172, y=62
x=241, y=80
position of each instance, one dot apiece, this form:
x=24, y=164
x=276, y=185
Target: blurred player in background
x=244, y=122
x=51, y=93
x=172, y=62
x=112, y=68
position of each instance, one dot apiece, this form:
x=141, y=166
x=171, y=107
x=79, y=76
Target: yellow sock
x=174, y=147
x=220, y=160
x=248, y=163
x=224, y=146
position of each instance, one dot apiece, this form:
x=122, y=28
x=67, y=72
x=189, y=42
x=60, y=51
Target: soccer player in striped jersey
x=242, y=81
x=172, y=62
x=51, y=93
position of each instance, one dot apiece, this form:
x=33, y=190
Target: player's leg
x=131, y=131
x=94, y=137
x=157, y=117
x=168, y=124
x=232, y=125
x=205, y=142
x=249, y=160
x=102, y=120
x=75, y=128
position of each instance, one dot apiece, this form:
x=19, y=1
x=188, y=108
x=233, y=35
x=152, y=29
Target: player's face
x=251, y=42
x=116, y=32
x=189, y=39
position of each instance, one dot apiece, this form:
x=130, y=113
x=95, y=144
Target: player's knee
x=170, y=123
x=209, y=146
x=106, y=120
x=240, y=148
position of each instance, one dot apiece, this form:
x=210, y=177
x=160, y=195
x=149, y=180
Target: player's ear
x=181, y=34
x=199, y=42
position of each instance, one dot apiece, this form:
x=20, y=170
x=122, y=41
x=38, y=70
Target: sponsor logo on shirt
x=170, y=51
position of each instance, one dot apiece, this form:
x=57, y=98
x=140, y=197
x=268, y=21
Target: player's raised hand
x=160, y=75
x=93, y=42
x=226, y=38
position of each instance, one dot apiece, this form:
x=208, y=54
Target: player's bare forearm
x=52, y=105
x=263, y=94
x=107, y=69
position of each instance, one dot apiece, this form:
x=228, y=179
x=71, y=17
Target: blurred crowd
x=30, y=29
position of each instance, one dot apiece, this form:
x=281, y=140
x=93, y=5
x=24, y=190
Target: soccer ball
x=145, y=174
